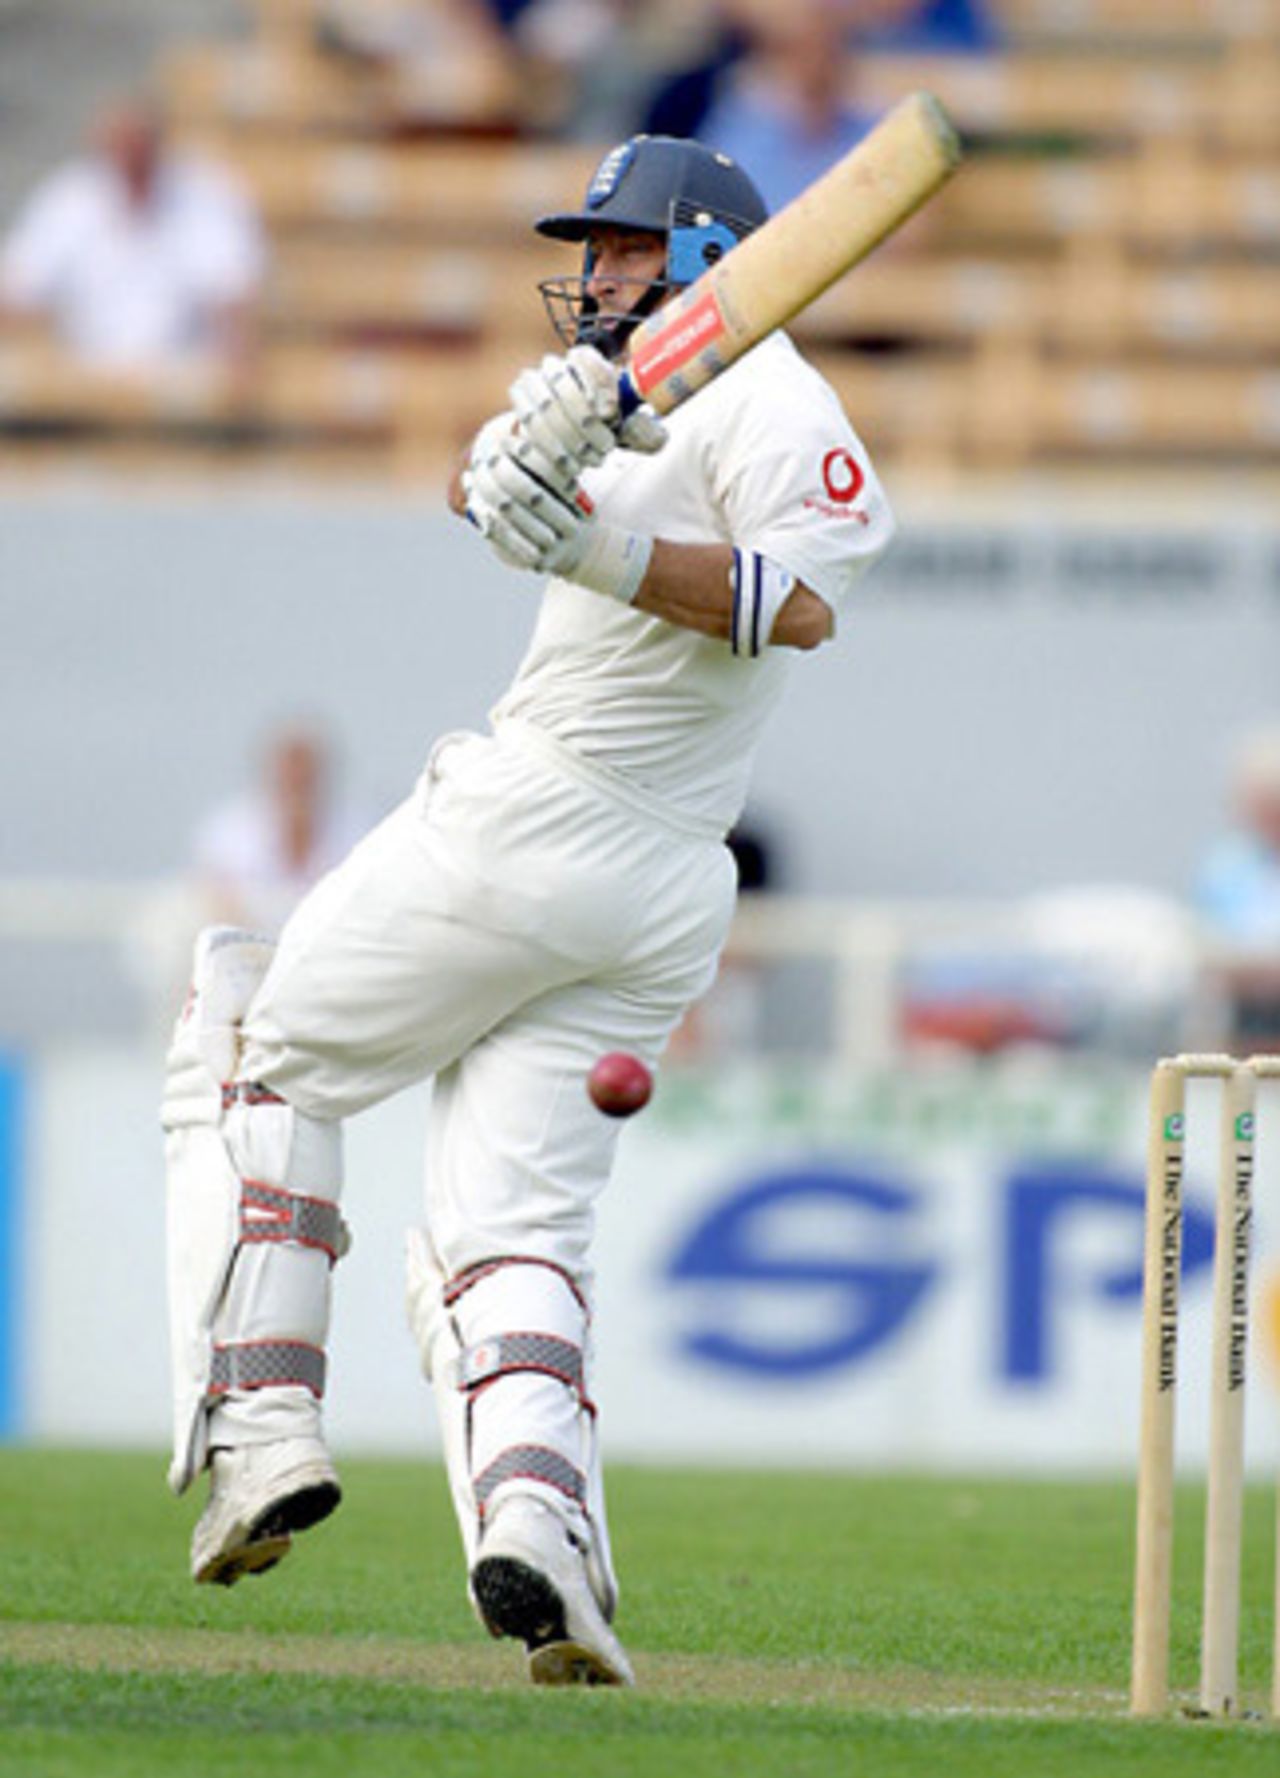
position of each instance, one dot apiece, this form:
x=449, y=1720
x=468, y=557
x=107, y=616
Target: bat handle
x=629, y=397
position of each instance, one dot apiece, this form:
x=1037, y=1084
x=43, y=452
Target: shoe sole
x=255, y=1557
x=515, y=1600
x=569, y=1663
x=270, y=1536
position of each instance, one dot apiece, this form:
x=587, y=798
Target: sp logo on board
x=818, y=1269
x=829, y=1247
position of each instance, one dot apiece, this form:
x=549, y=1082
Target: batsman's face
x=623, y=267
x=624, y=263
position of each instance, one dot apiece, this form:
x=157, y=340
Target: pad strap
x=458, y=1286
x=247, y=1092
x=531, y=1463
x=268, y=1213
x=266, y=1364
x=510, y=1353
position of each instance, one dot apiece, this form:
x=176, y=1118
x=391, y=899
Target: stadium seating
x=1114, y=24
x=1101, y=283
x=285, y=87
x=1224, y=100
x=440, y=192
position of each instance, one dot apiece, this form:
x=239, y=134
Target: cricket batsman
x=554, y=888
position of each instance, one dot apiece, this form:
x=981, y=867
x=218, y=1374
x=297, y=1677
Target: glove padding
x=568, y=408
x=534, y=524
x=530, y=521
x=504, y=433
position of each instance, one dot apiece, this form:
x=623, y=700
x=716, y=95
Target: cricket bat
x=791, y=259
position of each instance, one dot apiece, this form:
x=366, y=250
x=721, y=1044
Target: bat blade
x=791, y=259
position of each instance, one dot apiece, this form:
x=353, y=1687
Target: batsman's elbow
x=805, y=621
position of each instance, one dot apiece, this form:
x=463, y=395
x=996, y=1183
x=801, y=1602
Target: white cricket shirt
x=125, y=287
x=763, y=458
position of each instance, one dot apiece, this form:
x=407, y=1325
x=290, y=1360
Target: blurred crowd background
x=347, y=187
x=266, y=264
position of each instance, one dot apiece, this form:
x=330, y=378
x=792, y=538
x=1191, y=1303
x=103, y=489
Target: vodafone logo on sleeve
x=842, y=477
x=843, y=480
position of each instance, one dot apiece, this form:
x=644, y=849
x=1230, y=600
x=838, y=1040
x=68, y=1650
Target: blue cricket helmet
x=698, y=199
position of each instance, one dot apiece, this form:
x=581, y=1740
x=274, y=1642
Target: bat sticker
x=691, y=331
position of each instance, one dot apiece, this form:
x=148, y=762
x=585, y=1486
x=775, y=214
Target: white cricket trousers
x=512, y=921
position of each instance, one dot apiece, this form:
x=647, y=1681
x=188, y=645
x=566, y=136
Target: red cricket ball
x=619, y=1084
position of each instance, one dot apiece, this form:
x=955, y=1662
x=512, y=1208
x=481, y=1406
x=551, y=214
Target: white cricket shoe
x=258, y=1496
x=531, y=1581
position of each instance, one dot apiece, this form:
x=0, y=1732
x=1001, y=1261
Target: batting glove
x=533, y=525
x=497, y=437
x=569, y=408
x=505, y=433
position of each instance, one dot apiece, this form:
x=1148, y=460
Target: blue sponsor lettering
x=1044, y=1210
x=742, y=1241
x=845, y=1246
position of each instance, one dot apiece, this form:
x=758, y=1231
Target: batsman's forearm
x=689, y=584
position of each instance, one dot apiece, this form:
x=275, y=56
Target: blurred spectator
x=587, y=70
x=453, y=66
x=255, y=855
x=733, y=29
x=1238, y=887
x=586, y=61
x=252, y=858
x=1237, y=895
x=1104, y=967
x=1114, y=966
x=610, y=56
x=784, y=112
x=681, y=101
x=594, y=65
x=400, y=30
x=138, y=257
x=927, y=27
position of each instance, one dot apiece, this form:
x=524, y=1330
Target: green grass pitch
x=789, y=1624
